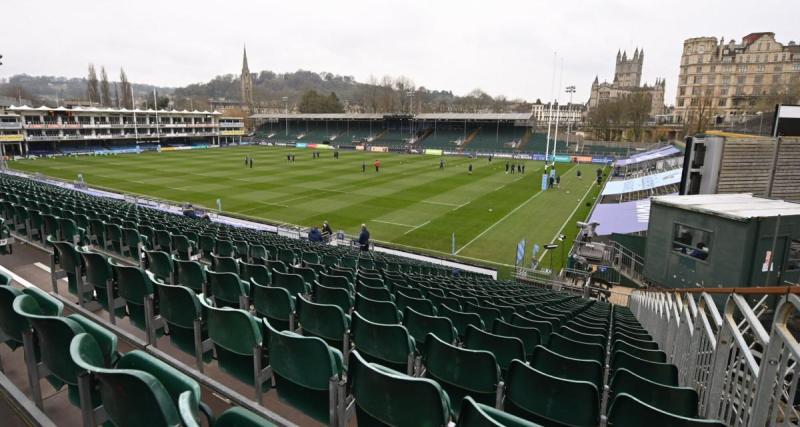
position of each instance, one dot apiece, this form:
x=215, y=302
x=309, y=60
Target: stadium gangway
x=742, y=360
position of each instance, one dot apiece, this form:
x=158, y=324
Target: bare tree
x=125, y=88
x=105, y=90
x=92, y=89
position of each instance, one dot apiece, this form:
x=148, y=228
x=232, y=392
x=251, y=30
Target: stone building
x=722, y=81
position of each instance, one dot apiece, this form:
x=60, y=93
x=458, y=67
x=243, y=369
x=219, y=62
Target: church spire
x=247, y=83
x=245, y=68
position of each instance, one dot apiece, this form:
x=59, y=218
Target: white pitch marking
x=421, y=225
x=393, y=223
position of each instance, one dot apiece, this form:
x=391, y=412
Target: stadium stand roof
x=740, y=207
x=321, y=116
x=643, y=182
x=424, y=116
x=107, y=110
x=648, y=155
x=474, y=116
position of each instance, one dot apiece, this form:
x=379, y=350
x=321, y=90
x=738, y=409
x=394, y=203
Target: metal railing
x=742, y=360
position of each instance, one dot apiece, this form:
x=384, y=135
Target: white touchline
x=506, y=216
x=393, y=223
x=567, y=220
x=438, y=203
x=421, y=225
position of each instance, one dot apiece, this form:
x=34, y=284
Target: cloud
x=502, y=47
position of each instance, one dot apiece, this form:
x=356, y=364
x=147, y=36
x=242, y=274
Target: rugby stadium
x=249, y=264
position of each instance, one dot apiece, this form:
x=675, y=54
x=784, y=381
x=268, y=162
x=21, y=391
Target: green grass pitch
x=411, y=203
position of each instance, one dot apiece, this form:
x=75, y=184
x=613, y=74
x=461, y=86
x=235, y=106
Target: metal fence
x=742, y=361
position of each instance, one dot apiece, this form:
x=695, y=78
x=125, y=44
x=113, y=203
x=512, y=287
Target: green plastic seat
x=549, y=400
x=134, y=285
x=326, y=321
x=224, y=248
x=375, y=293
x=530, y=336
x=182, y=247
x=308, y=274
x=664, y=373
x=545, y=328
x=369, y=280
x=228, y=290
x=387, y=345
x=420, y=325
x=277, y=265
x=237, y=353
x=160, y=264
x=646, y=344
x=113, y=235
x=190, y=274
x=385, y=397
x=221, y=264
x=232, y=417
x=487, y=314
x=420, y=305
x=181, y=310
x=681, y=401
x=98, y=276
x=293, y=283
x=12, y=324
x=551, y=363
x=377, y=311
x=140, y=391
x=336, y=296
x=642, y=353
x=256, y=272
x=572, y=334
x=306, y=372
x=576, y=349
x=461, y=320
x=53, y=336
x=258, y=254
x=505, y=349
x=132, y=243
x=274, y=304
x=68, y=259
x=440, y=301
x=334, y=281
x=628, y=411
x=462, y=372
x=474, y=414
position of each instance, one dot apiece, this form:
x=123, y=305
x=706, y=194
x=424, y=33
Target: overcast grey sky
x=502, y=47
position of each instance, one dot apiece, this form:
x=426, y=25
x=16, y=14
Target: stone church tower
x=247, y=84
x=628, y=72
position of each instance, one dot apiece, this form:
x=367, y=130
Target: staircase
x=469, y=138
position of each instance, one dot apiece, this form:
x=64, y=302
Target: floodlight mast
x=570, y=90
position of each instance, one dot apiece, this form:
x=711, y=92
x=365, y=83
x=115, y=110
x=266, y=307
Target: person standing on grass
x=470, y=169
x=506, y=166
x=550, y=181
x=558, y=181
x=245, y=160
x=523, y=168
x=513, y=168
x=441, y=164
x=519, y=167
x=251, y=163
x=363, y=166
x=377, y=165
x=579, y=174
x=363, y=238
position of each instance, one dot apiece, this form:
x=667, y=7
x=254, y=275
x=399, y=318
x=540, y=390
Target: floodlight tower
x=410, y=95
x=570, y=90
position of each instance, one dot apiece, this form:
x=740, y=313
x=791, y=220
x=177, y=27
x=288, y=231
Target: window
x=721, y=102
x=793, y=261
x=740, y=80
x=691, y=241
x=761, y=67
x=699, y=69
x=741, y=68
x=680, y=102
x=701, y=49
x=758, y=79
x=778, y=68
x=682, y=91
x=723, y=91
x=726, y=80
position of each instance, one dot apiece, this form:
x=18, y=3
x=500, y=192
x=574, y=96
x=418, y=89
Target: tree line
x=629, y=111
